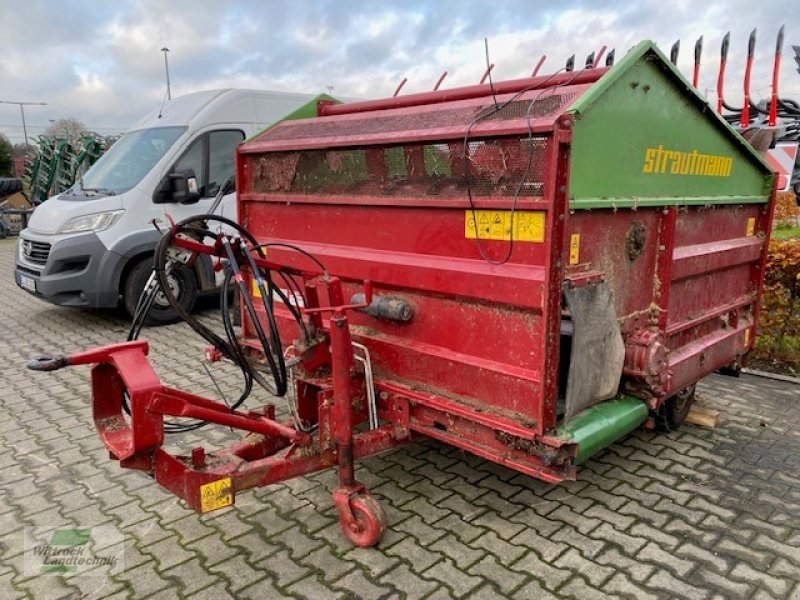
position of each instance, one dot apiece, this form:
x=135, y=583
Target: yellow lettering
x=660, y=159
x=649, y=159
x=675, y=162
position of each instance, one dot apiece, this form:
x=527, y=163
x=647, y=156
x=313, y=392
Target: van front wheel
x=183, y=286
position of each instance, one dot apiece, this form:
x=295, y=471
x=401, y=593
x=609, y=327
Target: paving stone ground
x=697, y=513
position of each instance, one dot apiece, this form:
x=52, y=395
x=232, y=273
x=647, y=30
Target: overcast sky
x=101, y=62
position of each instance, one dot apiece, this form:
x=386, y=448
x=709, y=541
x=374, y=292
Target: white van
x=93, y=244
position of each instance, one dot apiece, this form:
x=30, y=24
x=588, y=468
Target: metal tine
x=538, y=66
x=599, y=56
x=776, y=67
x=399, y=87
x=589, y=61
x=570, y=66
x=674, y=51
x=698, y=53
x=610, y=57
x=486, y=73
x=751, y=48
x=723, y=59
x=440, y=80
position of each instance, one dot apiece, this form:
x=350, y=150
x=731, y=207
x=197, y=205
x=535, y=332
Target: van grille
x=35, y=252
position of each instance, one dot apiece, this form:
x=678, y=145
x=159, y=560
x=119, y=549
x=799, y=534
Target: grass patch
x=786, y=233
x=781, y=355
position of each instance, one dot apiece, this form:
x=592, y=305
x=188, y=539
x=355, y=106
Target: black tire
x=9, y=185
x=674, y=410
x=161, y=313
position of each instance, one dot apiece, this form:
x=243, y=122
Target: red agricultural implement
x=527, y=270
x=772, y=125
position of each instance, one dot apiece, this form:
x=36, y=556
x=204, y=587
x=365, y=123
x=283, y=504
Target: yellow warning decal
x=574, y=248
x=747, y=337
x=255, y=292
x=751, y=226
x=217, y=494
x=496, y=225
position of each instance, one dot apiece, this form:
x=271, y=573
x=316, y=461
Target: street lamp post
x=22, y=106
x=166, y=68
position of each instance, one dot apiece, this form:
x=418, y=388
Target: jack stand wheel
x=674, y=411
x=368, y=524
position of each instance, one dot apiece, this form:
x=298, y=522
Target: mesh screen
x=522, y=109
x=428, y=119
x=499, y=167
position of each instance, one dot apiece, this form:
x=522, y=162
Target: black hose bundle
x=236, y=248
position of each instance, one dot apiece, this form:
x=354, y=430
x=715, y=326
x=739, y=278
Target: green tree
x=6, y=164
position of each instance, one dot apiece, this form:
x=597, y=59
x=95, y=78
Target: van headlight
x=95, y=222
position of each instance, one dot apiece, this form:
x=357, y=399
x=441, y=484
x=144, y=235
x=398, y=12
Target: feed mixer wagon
x=527, y=270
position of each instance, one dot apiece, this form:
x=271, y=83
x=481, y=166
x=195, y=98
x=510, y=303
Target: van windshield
x=128, y=160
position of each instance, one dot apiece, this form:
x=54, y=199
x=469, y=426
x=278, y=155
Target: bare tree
x=22, y=150
x=68, y=127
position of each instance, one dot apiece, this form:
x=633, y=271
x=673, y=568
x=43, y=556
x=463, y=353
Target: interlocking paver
x=489, y=569
x=412, y=584
x=695, y=513
x=192, y=576
x=357, y=585
x=459, y=582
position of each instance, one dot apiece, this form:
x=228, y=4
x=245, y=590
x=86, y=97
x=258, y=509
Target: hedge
x=778, y=341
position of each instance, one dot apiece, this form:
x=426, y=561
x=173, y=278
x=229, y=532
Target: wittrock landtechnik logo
x=92, y=551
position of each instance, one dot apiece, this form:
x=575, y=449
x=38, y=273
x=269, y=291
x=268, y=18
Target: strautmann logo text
x=661, y=160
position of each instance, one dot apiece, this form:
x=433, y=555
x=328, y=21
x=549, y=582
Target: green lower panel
x=602, y=425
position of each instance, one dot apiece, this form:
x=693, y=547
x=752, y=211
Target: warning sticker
x=496, y=225
x=574, y=248
x=295, y=298
x=217, y=494
x=751, y=226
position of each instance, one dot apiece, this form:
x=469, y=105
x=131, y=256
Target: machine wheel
x=674, y=410
x=182, y=283
x=369, y=522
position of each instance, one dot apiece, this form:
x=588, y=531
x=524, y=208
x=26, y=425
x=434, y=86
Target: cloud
x=101, y=62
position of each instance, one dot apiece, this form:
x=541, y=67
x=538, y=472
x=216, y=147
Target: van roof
x=260, y=107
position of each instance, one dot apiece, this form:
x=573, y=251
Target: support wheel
x=369, y=521
x=674, y=410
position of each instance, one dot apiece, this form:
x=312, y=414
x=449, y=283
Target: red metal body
x=478, y=365
x=475, y=358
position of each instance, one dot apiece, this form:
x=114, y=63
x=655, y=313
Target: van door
x=211, y=157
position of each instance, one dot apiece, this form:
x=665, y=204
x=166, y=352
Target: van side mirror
x=185, y=189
